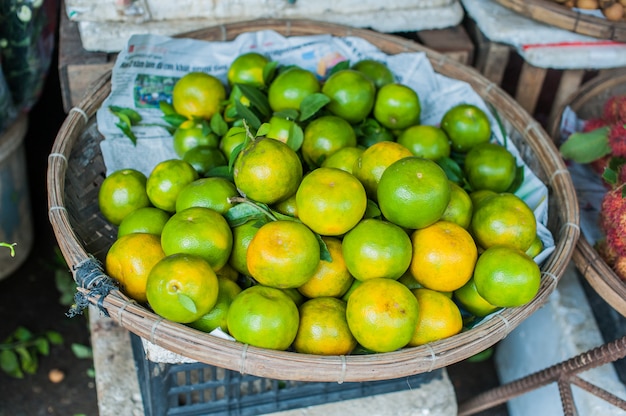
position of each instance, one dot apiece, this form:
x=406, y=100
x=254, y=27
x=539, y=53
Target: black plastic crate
x=199, y=389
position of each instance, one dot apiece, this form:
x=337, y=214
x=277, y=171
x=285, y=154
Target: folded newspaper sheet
x=148, y=67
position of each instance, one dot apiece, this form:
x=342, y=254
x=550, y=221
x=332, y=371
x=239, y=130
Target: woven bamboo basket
x=557, y=15
x=76, y=170
x=587, y=103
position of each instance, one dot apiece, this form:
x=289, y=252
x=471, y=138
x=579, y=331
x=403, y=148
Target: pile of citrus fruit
x=319, y=215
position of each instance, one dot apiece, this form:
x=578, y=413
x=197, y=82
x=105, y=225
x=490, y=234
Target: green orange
x=214, y=193
x=489, y=166
x=324, y=136
x=216, y=317
x=429, y=142
x=466, y=125
x=351, y=95
x=290, y=87
x=166, y=181
x=149, y=220
x=122, y=192
x=198, y=94
x=247, y=68
x=397, y=106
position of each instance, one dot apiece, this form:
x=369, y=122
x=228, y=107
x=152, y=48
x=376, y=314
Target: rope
x=81, y=112
x=344, y=367
x=433, y=357
x=557, y=172
x=244, y=352
x=89, y=275
x=59, y=155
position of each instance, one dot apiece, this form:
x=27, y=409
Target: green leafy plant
x=20, y=351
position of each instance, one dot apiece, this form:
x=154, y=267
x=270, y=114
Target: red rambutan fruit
x=593, y=124
x=617, y=140
x=619, y=267
x=615, y=109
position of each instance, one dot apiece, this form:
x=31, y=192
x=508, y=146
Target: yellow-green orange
x=323, y=328
x=199, y=231
x=504, y=219
x=439, y=317
x=211, y=193
x=460, y=208
x=192, y=134
x=468, y=297
x=204, y=159
x=429, y=142
x=330, y=201
x=290, y=87
x=343, y=158
x=331, y=278
x=198, y=94
x=369, y=167
x=489, y=166
x=129, y=261
x=377, y=71
x=267, y=171
x=376, y=248
x=247, y=68
x=264, y=317
x=182, y=288
x=444, y=255
x=397, y=106
x=166, y=181
x=242, y=235
x=283, y=254
x=413, y=192
x=149, y=220
x=122, y=192
x=324, y=136
x=351, y=95
x=506, y=277
x=216, y=317
x=382, y=314
x=466, y=125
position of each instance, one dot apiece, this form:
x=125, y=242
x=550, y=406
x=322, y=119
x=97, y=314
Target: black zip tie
x=89, y=275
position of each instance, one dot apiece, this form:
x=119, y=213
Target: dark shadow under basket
x=76, y=170
x=588, y=103
x=560, y=16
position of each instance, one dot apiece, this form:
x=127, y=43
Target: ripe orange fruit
x=444, y=255
x=122, y=192
x=323, y=328
x=489, y=166
x=129, y=261
x=377, y=71
x=397, y=106
x=216, y=317
x=413, y=192
x=343, y=158
x=242, y=235
x=466, y=125
x=283, y=254
x=211, y=193
x=351, y=95
x=374, y=161
x=148, y=220
x=199, y=231
x=439, y=317
x=182, y=288
x=198, y=94
x=503, y=219
x=324, y=136
x=190, y=134
x=460, y=208
x=331, y=278
x=264, y=317
x=290, y=87
x=506, y=277
x=205, y=158
x=247, y=68
x=425, y=141
x=330, y=201
x=468, y=297
x=377, y=248
x=267, y=171
x=382, y=314
x=166, y=181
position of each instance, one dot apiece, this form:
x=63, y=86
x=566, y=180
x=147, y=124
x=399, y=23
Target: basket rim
x=302, y=367
x=594, y=269
x=557, y=15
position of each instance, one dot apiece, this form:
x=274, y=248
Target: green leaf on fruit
x=372, y=210
x=248, y=115
x=452, y=169
x=220, y=172
x=586, y=147
x=312, y=104
x=296, y=137
x=257, y=98
x=287, y=114
x=218, y=125
x=241, y=214
x=263, y=130
x=610, y=176
x=166, y=108
x=174, y=119
x=187, y=303
x=339, y=67
x=324, y=253
x=269, y=71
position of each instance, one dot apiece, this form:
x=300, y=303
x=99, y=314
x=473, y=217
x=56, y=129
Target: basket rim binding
x=595, y=270
x=287, y=365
